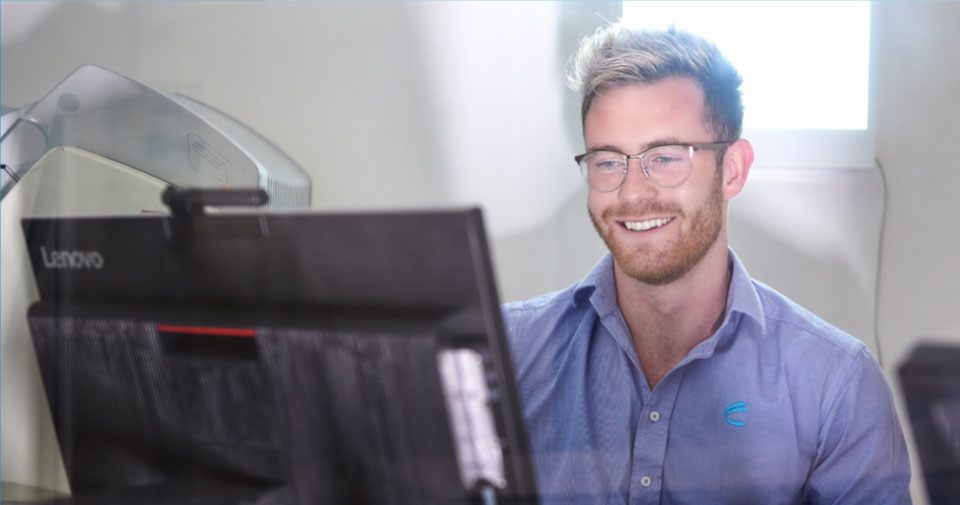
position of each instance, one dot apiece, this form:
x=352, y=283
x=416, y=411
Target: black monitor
x=930, y=378
x=353, y=358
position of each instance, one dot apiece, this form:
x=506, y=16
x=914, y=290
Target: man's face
x=679, y=225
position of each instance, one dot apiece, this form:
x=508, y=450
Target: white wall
x=918, y=126
x=386, y=105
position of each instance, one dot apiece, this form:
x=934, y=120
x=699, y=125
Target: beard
x=670, y=262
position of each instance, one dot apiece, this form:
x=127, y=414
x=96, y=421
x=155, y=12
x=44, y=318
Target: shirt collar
x=742, y=296
x=598, y=287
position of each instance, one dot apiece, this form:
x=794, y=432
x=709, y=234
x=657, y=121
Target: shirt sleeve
x=862, y=455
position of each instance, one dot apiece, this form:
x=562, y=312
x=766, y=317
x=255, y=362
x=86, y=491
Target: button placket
x=653, y=429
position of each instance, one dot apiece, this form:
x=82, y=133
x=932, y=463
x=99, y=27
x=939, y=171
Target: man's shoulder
x=859, y=446
x=543, y=309
x=545, y=303
x=541, y=326
x=788, y=320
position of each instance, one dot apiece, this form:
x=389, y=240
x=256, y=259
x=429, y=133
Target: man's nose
x=636, y=186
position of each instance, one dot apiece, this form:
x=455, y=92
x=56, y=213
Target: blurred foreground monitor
x=264, y=358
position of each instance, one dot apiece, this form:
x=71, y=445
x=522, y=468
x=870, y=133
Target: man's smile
x=648, y=224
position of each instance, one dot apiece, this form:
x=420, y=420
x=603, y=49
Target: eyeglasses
x=666, y=166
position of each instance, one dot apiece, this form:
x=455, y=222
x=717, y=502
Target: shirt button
x=654, y=416
x=645, y=481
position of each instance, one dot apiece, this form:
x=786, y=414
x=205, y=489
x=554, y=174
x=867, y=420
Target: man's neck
x=667, y=321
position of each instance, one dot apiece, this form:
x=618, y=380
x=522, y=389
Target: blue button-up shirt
x=776, y=407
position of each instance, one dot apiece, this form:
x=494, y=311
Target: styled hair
x=616, y=55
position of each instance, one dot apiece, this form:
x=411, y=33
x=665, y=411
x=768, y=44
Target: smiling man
x=667, y=375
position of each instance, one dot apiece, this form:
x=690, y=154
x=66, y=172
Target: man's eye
x=665, y=160
x=606, y=162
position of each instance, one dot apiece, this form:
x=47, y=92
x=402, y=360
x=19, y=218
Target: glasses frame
x=711, y=146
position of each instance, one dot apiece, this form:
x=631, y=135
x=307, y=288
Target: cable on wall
x=876, y=295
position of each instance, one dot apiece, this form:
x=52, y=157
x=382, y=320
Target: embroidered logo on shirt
x=734, y=408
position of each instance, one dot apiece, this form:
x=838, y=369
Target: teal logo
x=735, y=408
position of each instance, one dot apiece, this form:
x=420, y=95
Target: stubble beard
x=674, y=260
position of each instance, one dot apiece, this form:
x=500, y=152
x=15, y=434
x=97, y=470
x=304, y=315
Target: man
x=667, y=375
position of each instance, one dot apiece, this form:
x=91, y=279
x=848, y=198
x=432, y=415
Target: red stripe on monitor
x=201, y=330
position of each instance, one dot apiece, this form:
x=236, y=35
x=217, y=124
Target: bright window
x=804, y=64
x=805, y=67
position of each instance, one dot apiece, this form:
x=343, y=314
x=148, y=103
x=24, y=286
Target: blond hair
x=615, y=56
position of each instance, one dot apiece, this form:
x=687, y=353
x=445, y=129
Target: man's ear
x=736, y=166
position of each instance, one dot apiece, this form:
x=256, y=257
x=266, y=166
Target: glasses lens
x=603, y=170
x=668, y=166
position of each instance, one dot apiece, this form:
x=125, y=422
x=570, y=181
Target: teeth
x=646, y=225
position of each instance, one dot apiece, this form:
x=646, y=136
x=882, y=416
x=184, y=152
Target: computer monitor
x=278, y=359
x=930, y=378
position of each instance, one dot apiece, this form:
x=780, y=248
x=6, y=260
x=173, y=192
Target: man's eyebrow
x=605, y=147
x=671, y=141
